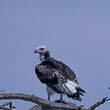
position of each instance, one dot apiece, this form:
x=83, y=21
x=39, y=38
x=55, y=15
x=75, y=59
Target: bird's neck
x=44, y=57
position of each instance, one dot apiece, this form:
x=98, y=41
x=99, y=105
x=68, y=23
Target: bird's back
x=59, y=77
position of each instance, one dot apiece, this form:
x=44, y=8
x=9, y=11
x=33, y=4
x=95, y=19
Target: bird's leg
x=61, y=98
x=48, y=97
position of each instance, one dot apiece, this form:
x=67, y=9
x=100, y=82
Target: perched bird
x=58, y=77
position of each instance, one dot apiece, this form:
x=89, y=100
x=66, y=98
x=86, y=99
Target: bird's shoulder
x=62, y=68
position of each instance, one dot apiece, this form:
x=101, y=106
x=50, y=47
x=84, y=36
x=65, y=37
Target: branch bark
x=94, y=106
x=37, y=100
x=46, y=105
x=9, y=104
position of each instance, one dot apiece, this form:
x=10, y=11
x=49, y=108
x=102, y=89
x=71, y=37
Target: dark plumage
x=57, y=76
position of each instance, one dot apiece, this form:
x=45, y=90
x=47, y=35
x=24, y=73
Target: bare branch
x=46, y=105
x=24, y=97
x=4, y=108
x=7, y=104
x=39, y=101
x=93, y=107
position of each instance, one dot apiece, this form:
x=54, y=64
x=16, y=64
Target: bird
x=58, y=77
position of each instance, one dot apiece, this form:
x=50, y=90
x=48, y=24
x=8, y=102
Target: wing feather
x=63, y=69
x=57, y=76
x=51, y=77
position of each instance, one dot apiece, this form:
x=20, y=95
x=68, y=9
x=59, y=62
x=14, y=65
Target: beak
x=35, y=51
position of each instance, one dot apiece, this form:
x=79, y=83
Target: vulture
x=58, y=77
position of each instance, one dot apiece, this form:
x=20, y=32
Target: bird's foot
x=60, y=101
x=80, y=107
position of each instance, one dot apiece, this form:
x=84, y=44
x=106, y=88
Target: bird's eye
x=41, y=49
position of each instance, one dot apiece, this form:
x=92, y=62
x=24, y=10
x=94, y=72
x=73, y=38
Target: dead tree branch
x=39, y=101
x=9, y=104
x=46, y=105
x=93, y=107
x=4, y=108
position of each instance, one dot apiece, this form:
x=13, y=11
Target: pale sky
x=76, y=32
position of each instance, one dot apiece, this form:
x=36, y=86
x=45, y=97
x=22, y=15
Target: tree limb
x=93, y=107
x=4, y=108
x=46, y=105
x=7, y=104
x=39, y=101
x=24, y=97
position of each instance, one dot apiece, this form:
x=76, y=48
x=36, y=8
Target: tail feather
x=73, y=90
x=75, y=96
x=80, y=89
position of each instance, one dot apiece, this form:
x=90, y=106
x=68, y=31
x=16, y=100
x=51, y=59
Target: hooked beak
x=35, y=51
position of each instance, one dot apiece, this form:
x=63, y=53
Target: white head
x=41, y=50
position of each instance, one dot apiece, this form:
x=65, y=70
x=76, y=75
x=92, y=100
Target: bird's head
x=43, y=52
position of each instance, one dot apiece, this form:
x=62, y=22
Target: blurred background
x=75, y=32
